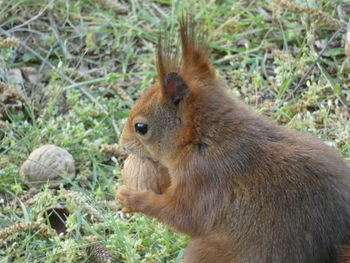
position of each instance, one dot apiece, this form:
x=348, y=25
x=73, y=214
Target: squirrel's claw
x=127, y=198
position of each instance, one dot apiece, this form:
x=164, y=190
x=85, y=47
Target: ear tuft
x=195, y=51
x=175, y=88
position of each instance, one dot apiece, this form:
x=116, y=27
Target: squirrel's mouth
x=138, y=153
x=135, y=151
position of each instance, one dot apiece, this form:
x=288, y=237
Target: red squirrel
x=245, y=189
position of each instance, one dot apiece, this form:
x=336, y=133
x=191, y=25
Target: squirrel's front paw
x=130, y=199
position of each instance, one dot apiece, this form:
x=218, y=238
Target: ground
x=70, y=71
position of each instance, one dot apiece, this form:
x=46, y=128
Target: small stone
x=243, y=42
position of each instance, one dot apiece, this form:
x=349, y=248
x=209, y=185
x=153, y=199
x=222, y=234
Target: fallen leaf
x=31, y=74
x=15, y=76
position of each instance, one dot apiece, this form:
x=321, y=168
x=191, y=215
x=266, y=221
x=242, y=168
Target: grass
x=259, y=49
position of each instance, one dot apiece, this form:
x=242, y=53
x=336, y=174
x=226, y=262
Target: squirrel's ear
x=195, y=51
x=175, y=88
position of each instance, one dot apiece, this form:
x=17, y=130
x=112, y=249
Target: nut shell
x=56, y=217
x=143, y=174
x=48, y=163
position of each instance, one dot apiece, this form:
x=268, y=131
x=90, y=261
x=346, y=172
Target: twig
x=78, y=75
x=122, y=94
x=82, y=89
x=11, y=31
x=34, y=17
x=302, y=80
x=43, y=63
x=85, y=82
x=58, y=37
x=113, y=5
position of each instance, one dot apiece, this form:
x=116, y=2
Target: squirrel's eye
x=141, y=128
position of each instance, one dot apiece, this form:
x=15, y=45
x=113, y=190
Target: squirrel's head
x=166, y=119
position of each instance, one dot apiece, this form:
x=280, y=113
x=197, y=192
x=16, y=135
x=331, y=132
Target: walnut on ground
x=144, y=174
x=48, y=163
x=55, y=217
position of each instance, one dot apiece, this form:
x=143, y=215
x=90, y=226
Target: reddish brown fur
x=346, y=254
x=244, y=188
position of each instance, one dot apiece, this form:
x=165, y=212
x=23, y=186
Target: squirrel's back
x=284, y=195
